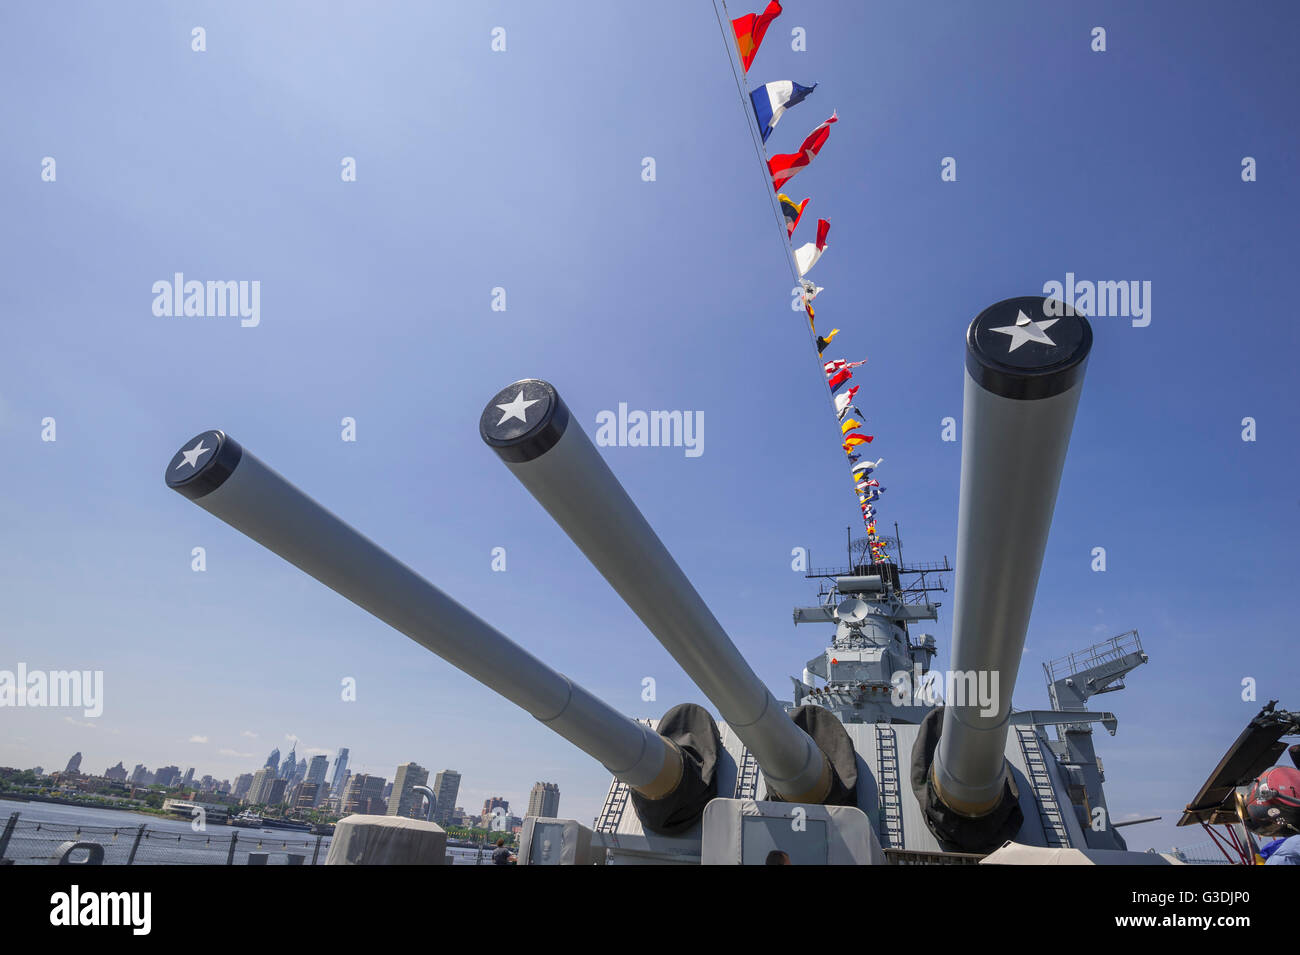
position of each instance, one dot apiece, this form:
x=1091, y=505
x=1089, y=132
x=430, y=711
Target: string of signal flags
x=769, y=102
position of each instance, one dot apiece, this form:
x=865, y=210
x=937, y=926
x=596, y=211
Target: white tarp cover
x=743, y=831
x=387, y=840
x=1013, y=853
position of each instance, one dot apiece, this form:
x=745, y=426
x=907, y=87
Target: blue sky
x=522, y=170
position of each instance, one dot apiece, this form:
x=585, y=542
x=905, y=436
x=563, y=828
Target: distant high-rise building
x=259, y=790
x=365, y=795
x=243, y=782
x=445, y=787
x=316, y=770
x=340, y=771
x=116, y=773
x=372, y=793
x=74, y=764
x=544, y=801
x=404, y=800
x=275, y=796
x=290, y=764
x=343, y=786
x=140, y=776
x=273, y=761
x=348, y=798
x=188, y=778
x=207, y=784
x=167, y=776
x=308, y=794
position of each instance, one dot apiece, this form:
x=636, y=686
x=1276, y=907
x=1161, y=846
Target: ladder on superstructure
x=888, y=783
x=611, y=814
x=1055, y=834
x=746, y=777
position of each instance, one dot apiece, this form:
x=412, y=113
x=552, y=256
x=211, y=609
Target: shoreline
x=75, y=804
x=146, y=813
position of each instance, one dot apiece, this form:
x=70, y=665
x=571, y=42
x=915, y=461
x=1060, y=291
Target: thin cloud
x=231, y=752
x=87, y=725
x=198, y=739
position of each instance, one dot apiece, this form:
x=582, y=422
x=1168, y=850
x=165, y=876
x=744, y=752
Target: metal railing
x=1108, y=651
x=1202, y=853
x=34, y=842
x=915, y=857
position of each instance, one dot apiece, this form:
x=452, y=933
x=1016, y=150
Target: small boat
x=268, y=823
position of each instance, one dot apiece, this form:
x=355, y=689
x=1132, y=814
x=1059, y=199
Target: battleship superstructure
x=862, y=765
x=878, y=683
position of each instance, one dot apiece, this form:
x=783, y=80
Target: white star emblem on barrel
x=191, y=457
x=516, y=408
x=1027, y=330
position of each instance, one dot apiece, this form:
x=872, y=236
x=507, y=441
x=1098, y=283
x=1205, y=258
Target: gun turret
x=1025, y=361
x=531, y=429
x=227, y=481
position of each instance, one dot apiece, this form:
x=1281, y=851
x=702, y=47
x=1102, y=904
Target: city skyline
x=196, y=774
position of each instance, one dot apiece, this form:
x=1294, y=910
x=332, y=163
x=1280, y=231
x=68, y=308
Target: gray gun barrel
x=227, y=481
x=1025, y=362
x=530, y=427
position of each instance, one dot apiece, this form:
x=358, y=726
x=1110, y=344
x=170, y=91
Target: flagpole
x=742, y=89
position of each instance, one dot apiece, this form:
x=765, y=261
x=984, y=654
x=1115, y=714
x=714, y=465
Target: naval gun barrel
x=1025, y=362
x=531, y=429
x=227, y=481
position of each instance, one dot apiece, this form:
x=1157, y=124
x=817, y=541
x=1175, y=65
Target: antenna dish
x=853, y=611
